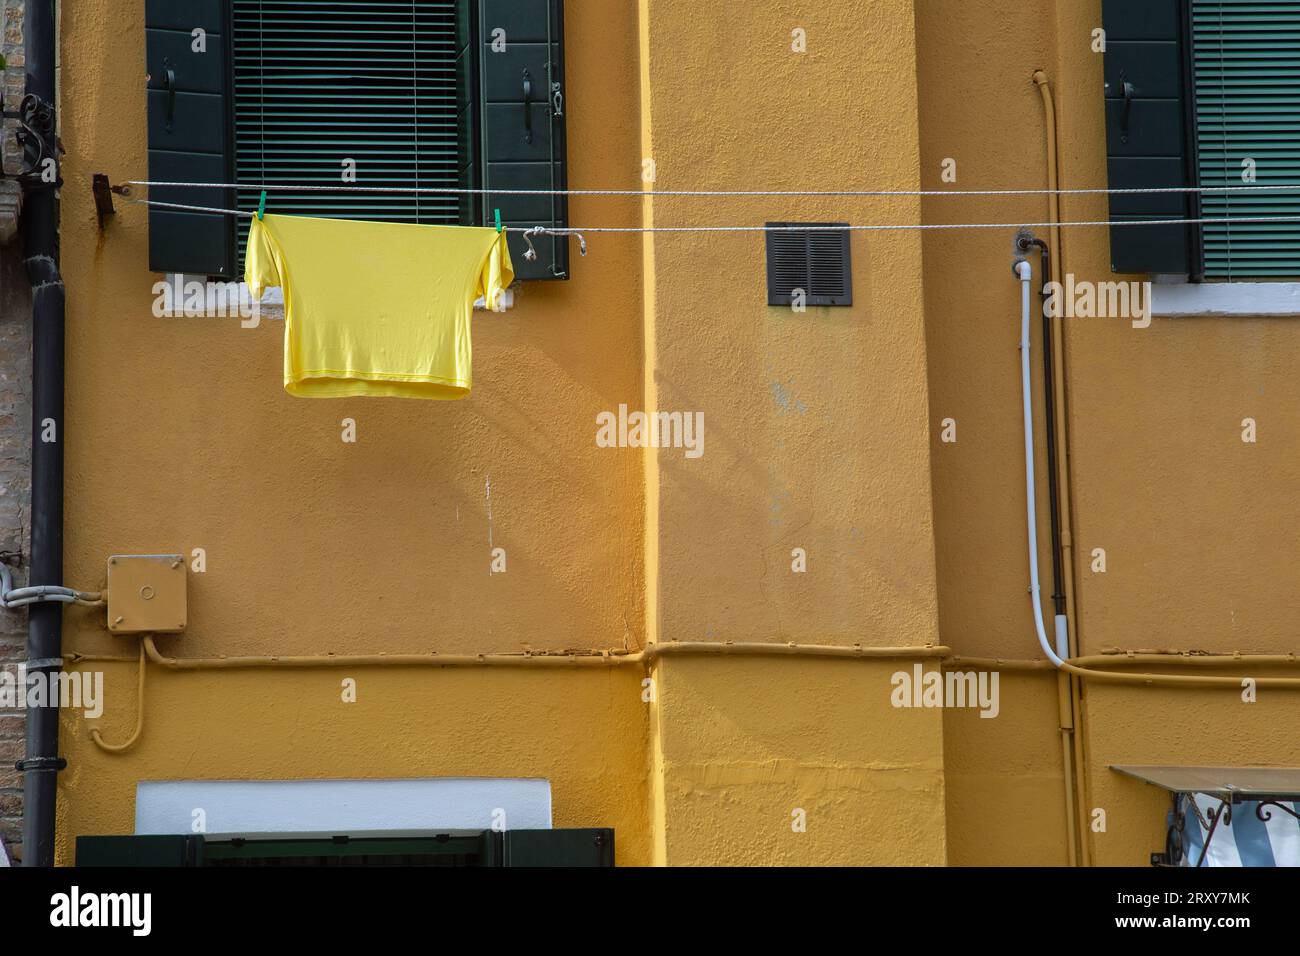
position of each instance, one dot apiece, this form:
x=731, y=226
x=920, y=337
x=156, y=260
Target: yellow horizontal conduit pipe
x=611, y=658
x=936, y=652
x=553, y=659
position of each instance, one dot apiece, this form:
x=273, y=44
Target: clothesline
x=465, y=190
x=922, y=227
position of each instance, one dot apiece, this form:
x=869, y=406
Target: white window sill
x=239, y=807
x=1225, y=298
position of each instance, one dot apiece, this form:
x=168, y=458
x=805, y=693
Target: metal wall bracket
x=103, y=198
x=34, y=764
x=103, y=192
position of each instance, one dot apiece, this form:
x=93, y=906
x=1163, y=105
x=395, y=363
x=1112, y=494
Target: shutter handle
x=1129, y=90
x=528, y=107
x=171, y=95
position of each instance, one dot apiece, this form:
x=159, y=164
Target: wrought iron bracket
x=1263, y=812
x=1173, y=851
x=40, y=142
x=1223, y=813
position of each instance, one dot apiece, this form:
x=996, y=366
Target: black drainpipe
x=45, y=620
x=1024, y=244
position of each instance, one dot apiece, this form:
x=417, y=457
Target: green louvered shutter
x=377, y=82
x=188, y=64
x=523, y=109
x=1147, y=122
x=1247, y=73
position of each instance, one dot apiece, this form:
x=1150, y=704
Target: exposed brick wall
x=11, y=44
x=15, y=437
x=15, y=498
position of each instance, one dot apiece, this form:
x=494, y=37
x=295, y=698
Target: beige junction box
x=146, y=593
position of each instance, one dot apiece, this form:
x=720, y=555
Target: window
x=380, y=92
x=1247, y=92
x=451, y=94
x=483, y=848
x=1204, y=93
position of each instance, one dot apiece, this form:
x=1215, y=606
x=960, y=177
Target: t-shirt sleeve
x=261, y=270
x=497, y=272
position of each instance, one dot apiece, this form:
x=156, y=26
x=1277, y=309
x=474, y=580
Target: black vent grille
x=815, y=260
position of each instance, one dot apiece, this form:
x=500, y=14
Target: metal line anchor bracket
x=103, y=192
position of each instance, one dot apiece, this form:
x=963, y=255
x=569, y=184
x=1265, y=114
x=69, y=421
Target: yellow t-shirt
x=376, y=308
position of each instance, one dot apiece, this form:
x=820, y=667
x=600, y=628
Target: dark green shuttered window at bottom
x=412, y=90
x=481, y=848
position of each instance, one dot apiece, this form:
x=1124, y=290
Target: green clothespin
x=261, y=205
x=497, y=212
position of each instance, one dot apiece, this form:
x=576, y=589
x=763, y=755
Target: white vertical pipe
x=1025, y=273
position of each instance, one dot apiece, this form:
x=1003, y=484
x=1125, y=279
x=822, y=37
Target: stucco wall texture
x=821, y=434
x=816, y=426
x=1190, y=517
x=184, y=438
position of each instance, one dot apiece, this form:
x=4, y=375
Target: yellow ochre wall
x=816, y=439
x=822, y=433
x=1194, y=522
x=185, y=438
